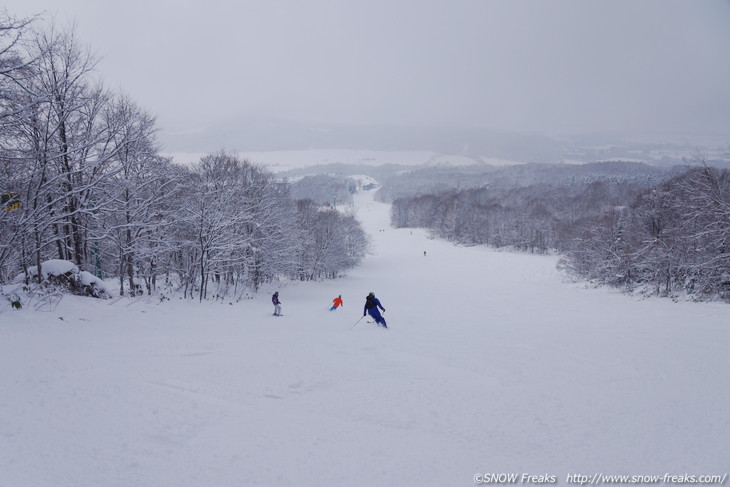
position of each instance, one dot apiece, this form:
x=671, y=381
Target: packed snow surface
x=492, y=364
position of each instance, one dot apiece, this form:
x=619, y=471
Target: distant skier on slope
x=337, y=302
x=371, y=307
x=277, y=304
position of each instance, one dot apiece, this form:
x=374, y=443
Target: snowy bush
x=92, y=285
x=66, y=274
x=52, y=267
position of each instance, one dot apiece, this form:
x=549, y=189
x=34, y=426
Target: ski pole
x=358, y=321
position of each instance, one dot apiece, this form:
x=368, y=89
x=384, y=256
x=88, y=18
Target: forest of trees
x=82, y=179
x=673, y=238
x=325, y=189
x=667, y=237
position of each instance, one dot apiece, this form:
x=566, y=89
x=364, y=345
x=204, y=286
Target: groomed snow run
x=492, y=364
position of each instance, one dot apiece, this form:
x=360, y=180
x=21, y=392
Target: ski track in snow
x=491, y=364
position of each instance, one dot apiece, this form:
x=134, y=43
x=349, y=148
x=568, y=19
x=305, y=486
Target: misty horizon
x=565, y=67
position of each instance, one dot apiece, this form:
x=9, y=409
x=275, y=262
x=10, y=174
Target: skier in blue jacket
x=371, y=307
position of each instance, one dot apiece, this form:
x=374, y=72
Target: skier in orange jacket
x=336, y=303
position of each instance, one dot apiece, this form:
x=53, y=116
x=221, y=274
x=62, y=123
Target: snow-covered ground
x=492, y=364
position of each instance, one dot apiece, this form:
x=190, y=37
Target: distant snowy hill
x=280, y=161
x=278, y=135
x=282, y=144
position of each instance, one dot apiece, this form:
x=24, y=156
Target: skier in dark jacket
x=277, y=304
x=371, y=307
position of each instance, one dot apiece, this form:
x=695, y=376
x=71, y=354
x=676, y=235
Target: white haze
x=551, y=67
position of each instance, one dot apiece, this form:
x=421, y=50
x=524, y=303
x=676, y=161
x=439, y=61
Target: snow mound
x=98, y=287
x=52, y=267
x=67, y=274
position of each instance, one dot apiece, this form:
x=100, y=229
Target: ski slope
x=492, y=364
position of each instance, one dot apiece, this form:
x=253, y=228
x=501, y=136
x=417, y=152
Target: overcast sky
x=545, y=66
